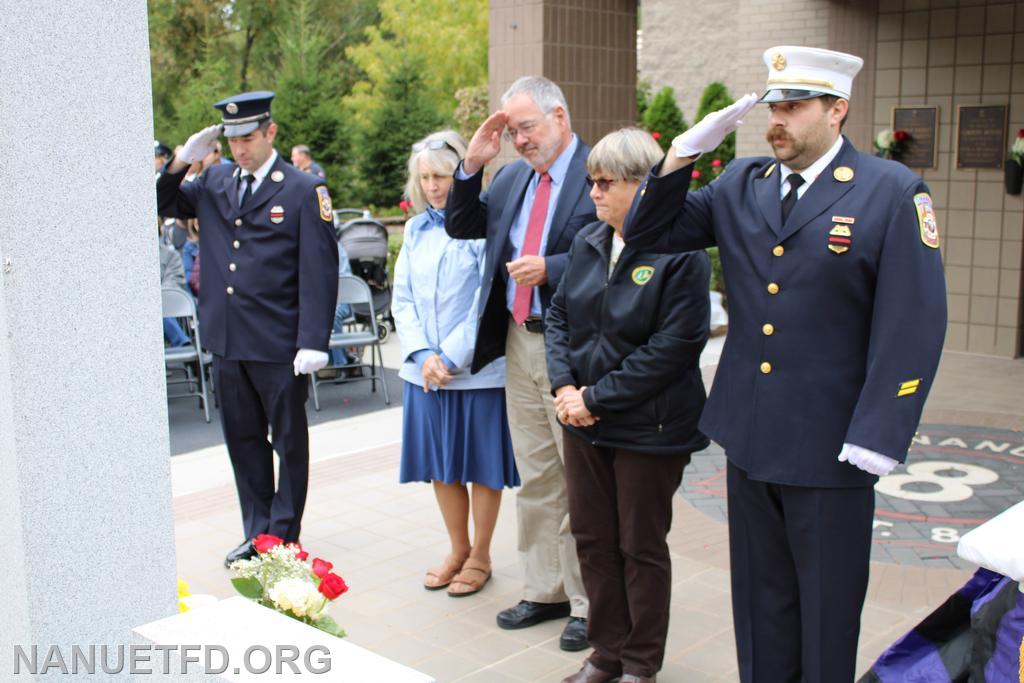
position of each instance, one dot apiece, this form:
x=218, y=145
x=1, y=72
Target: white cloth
x=617, y=246
x=308, y=361
x=200, y=144
x=998, y=544
x=712, y=129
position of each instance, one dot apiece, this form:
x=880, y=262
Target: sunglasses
x=603, y=184
x=435, y=145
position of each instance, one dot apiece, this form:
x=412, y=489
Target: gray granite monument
x=85, y=498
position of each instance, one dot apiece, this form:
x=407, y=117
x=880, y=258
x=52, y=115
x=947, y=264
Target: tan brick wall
x=950, y=53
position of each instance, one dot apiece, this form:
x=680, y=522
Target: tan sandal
x=441, y=576
x=474, y=574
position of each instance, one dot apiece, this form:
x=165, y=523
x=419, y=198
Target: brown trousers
x=620, y=507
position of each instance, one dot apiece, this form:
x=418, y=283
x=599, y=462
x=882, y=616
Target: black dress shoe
x=246, y=551
x=528, y=613
x=574, y=635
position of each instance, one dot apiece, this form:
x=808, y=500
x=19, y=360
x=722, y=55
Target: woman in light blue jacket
x=454, y=428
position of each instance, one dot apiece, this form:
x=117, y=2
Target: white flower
x=298, y=596
x=1018, y=146
x=884, y=139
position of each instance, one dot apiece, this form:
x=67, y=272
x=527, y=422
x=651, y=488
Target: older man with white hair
x=529, y=216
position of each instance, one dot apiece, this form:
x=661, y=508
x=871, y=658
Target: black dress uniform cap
x=160, y=149
x=242, y=114
x=802, y=73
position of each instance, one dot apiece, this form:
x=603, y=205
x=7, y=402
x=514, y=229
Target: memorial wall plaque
x=980, y=136
x=921, y=148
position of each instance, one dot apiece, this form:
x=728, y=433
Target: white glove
x=308, y=361
x=197, y=147
x=713, y=128
x=869, y=461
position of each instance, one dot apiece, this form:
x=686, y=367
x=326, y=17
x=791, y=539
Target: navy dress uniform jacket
x=269, y=288
x=472, y=215
x=634, y=340
x=823, y=347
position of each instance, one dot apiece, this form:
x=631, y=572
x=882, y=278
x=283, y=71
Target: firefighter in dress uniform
x=266, y=306
x=837, y=313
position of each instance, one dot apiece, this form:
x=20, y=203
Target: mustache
x=773, y=135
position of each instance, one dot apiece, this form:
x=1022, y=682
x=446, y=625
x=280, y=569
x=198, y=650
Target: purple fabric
x=911, y=659
x=1005, y=662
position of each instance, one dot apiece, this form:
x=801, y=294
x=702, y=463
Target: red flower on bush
x=656, y=135
x=332, y=586
x=1020, y=133
x=404, y=205
x=715, y=163
x=900, y=135
x=321, y=567
x=264, y=542
x=695, y=174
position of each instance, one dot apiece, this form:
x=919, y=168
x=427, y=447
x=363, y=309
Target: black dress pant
x=253, y=396
x=620, y=510
x=799, y=559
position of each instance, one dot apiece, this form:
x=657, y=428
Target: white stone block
x=243, y=636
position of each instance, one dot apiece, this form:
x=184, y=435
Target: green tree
x=711, y=164
x=406, y=113
x=452, y=37
x=664, y=117
x=307, y=105
x=643, y=98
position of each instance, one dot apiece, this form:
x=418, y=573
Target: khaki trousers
x=546, y=546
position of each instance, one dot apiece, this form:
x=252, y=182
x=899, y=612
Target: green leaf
x=248, y=587
x=327, y=624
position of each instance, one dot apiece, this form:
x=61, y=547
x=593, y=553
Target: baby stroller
x=365, y=240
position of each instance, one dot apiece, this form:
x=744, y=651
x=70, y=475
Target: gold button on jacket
x=768, y=329
x=778, y=250
x=773, y=288
x=766, y=368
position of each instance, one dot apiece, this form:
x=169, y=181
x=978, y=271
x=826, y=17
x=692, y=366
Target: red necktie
x=531, y=244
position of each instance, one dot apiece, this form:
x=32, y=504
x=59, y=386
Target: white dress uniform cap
x=800, y=73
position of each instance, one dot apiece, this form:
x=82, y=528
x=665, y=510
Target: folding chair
x=177, y=303
x=354, y=290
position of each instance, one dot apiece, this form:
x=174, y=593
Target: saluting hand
x=200, y=144
x=712, y=129
x=528, y=271
x=486, y=143
x=435, y=372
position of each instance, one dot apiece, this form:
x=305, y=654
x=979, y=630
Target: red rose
x=695, y=174
x=332, y=586
x=656, y=135
x=715, y=163
x=900, y=135
x=264, y=542
x=1020, y=133
x=321, y=567
x=299, y=552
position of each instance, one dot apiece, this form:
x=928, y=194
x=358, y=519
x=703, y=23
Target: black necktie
x=247, y=181
x=795, y=181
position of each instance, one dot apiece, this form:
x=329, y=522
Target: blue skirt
x=456, y=436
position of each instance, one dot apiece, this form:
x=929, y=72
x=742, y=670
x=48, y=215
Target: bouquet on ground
x=889, y=143
x=282, y=578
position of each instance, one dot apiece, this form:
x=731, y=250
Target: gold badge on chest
x=843, y=174
x=276, y=214
x=840, y=237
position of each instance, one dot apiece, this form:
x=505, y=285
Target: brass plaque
x=921, y=148
x=981, y=136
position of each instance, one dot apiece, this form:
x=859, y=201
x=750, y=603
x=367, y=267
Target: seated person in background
x=454, y=428
x=190, y=250
x=624, y=334
x=341, y=356
x=172, y=274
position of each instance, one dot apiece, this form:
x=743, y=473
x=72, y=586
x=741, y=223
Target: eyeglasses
x=526, y=129
x=603, y=184
x=435, y=144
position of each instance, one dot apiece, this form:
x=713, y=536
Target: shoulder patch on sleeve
x=926, y=220
x=325, y=203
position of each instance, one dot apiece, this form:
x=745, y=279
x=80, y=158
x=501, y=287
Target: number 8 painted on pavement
x=951, y=489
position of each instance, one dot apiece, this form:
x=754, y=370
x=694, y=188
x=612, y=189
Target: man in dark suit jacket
x=529, y=216
x=270, y=282
x=837, y=314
